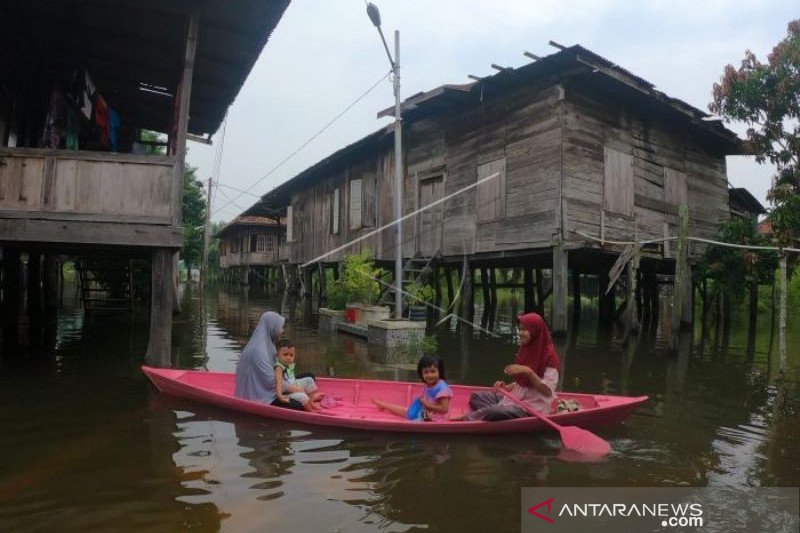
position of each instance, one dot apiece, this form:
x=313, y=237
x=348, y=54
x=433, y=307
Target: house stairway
x=105, y=284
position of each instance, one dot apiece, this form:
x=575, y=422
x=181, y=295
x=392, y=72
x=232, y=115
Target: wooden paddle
x=573, y=438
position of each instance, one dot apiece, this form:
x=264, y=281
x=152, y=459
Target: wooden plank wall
x=85, y=186
x=522, y=126
x=663, y=158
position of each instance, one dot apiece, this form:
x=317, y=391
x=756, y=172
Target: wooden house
x=583, y=154
x=79, y=81
x=744, y=205
x=251, y=249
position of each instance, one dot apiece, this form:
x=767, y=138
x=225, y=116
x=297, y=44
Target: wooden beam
x=532, y=56
x=556, y=45
x=79, y=232
x=183, y=116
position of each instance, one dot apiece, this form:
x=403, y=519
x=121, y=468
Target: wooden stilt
x=529, y=303
x=492, y=296
x=323, y=290
x=486, y=290
x=632, y=312
x=159, y=346
x=559, y=314
x=437, y=290
x=605, y=306
x=12, y=282
x=448, y=274
x=51, y=284
x=540, y=295
x=682, y=275
x=576, y=293
x=467, y=297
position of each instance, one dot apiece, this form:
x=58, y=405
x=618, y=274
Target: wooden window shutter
x=491, y=197
x=618, y=182
x=290, y=224
x=355, y=204
x=334, y=222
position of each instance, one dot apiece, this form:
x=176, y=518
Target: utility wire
x=306, y=143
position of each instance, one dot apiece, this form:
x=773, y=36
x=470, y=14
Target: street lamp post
x=375, y=17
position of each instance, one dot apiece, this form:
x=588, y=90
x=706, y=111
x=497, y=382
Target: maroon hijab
x=539, y=353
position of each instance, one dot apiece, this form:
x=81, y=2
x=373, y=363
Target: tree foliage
x=733, y=269
x=194, y=217
x=766, y=96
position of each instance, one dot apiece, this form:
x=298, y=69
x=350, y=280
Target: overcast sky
x=325, y=53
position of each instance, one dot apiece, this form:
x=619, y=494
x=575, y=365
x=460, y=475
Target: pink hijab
x=539, y=353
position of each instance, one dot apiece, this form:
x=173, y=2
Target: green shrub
x=358, y=280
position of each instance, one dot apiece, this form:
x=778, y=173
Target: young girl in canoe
x=534, y=373
x=434, y=403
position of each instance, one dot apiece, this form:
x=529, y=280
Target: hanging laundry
x=87, y=100
x=101, y=117
x=55, y=124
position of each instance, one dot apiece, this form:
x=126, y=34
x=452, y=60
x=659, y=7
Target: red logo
x=549, y=504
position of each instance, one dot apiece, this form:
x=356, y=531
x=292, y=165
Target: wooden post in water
x=576, y=293
x=632, y=310
x=782, y=323
x=559, y=316
x=682, y=275
x=159, y=344
x=448, y=274
x=323, y=285
x=437, y=291
x=11, y=305
x=467, y=302
x=529, y=303
x=486, y=291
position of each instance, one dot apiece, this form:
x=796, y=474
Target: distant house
x=583, y=152
x=744, y=205
x=250, y=248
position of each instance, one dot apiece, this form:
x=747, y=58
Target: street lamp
x=375, y=17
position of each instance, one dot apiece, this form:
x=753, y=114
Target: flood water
x=88, y=445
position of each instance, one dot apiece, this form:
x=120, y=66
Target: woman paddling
x=534, y=372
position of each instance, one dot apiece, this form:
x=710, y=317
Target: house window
x=355, y=204
x=334, y=215
x=289, y=224
x=261, y=243
x=618, y=182
x=491, y=195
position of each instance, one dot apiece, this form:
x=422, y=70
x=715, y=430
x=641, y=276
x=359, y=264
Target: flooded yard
x=89, y=445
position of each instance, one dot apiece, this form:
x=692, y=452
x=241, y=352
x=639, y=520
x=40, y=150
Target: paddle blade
x=584, y=442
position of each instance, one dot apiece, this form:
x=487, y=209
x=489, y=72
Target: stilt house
x=582, y=152
x=250, y=249
x=79, y=82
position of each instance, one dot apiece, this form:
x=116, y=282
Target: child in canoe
x=288, y=387
x=434, y=403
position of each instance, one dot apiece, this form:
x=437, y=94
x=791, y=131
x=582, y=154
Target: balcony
x=88, y=197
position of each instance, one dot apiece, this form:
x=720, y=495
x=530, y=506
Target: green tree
x=766, y=97
x=194, y=217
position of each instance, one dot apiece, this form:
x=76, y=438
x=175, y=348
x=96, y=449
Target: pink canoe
x=354, y=408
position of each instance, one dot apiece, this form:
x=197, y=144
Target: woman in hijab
x=255, y=371
x=534, y=372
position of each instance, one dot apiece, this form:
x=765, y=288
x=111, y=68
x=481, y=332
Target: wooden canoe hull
x=358, y=412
